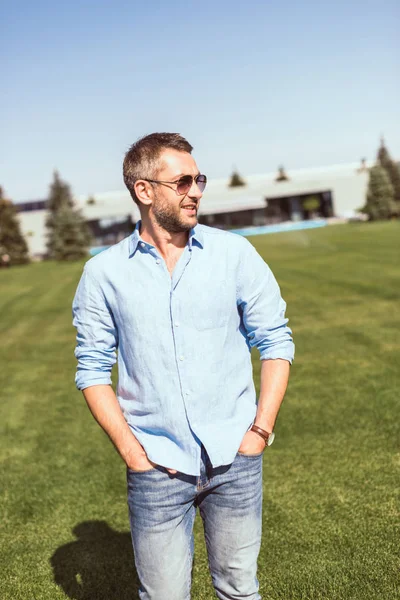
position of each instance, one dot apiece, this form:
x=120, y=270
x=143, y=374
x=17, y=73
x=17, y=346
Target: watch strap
x=261, y=432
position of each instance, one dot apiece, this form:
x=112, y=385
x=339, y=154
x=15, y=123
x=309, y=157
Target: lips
x=190, y=209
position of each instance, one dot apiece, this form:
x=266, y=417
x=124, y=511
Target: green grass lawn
x=331, y=480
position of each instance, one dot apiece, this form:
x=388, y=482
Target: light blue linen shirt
x=183, y=341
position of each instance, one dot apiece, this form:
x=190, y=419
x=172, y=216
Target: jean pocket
x=153, y=468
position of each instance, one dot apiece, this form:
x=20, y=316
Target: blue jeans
x=162, y=510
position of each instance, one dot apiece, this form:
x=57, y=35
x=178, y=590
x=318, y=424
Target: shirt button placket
x=181, y=359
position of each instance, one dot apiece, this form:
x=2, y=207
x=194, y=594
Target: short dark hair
x=142, y=159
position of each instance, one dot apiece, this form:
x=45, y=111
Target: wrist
x=267, y=436
x=132, y=451
x=264, y=424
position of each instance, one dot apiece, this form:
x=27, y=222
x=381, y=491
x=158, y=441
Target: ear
x=144, y=192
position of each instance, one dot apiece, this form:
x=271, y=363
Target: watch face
x=271, y=438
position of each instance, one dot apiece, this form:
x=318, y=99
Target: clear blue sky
x=253, y=84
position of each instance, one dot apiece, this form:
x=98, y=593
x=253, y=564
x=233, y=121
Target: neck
x=167, y=243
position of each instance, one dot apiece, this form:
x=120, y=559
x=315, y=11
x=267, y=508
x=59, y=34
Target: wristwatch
x=267, y=436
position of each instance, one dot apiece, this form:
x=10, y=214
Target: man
x=183, y=304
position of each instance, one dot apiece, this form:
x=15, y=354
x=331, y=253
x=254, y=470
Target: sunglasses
x=184, y=183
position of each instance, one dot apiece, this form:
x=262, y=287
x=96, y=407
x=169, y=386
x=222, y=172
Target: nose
x=195, y=191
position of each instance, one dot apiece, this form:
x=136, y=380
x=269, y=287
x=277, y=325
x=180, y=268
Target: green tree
x=60, y=194
x=380, y=203
x=71, y=236
x=281, y=176
x=392, y=168
x=68, y=236
x=311, y=203
x=12, y=242
x=236, y=180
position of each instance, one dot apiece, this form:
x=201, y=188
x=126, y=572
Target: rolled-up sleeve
x=262, y=308
x=96, y=340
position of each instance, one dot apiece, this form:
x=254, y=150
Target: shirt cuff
x=86, y=379
x=286, y=353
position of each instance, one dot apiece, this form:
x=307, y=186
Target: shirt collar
x=134, y=239
x=195, y=235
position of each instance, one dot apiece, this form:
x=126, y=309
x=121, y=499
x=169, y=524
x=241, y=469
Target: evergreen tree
x=12, y=242
x=236, y=180
x=281, y=175
x=393, y=170
x=59, y=196
x=71, y=236
x=380, y=203
x=68, y=235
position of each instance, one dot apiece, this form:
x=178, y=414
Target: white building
x=339, y=190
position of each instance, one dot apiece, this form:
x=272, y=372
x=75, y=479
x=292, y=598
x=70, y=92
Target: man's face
x=173, y=212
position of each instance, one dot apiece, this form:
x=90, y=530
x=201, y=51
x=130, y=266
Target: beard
x=171, y=218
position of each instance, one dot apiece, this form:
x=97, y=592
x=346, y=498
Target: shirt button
x=176, y=324
x=181, y=358
x=187, y=393
x=158, y=261
x=142, y=244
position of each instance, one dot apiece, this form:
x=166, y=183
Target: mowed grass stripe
x=331, y=501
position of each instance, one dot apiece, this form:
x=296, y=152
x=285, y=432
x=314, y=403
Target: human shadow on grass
x=98, y=565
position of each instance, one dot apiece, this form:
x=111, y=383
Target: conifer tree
x=68, y=236
x=393, y=170
x=12, y=242
x=380, y=203
x=71, y=236
x=236, y=180
x=281, y=176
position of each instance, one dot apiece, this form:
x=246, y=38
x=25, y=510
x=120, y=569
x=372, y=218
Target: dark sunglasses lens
x=184, y=184
x=201, y=182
